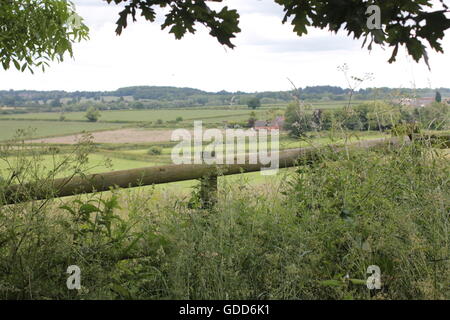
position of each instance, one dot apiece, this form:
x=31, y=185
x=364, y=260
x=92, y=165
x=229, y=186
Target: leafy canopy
x=182, y=16
x=411, y=23
x=35, y=32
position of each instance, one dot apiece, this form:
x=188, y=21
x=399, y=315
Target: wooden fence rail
x=164, y=174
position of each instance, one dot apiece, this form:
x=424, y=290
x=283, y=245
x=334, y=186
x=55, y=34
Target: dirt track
x=114, y=136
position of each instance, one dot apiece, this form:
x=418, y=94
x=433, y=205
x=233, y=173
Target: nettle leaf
x=87, y=209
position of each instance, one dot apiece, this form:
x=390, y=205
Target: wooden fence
x=170, y=173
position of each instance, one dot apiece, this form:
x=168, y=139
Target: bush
x=155, y=151
x=338, y=216
x=92, y=114
x=254, y=103
x=179, y=119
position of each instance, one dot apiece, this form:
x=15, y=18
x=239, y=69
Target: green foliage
x=298, y=120
x=254, y=103
x=155, y=151
x=92, y=114
x=179, y=119
x=154, y=97
x=335, y=216
x=35, y=32
x=182, y=16
x=406, y=129
x=409, y=23
x=367, y=116
x=438, y=97
x=435, y=116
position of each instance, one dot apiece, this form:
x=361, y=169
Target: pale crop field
x=9, y=128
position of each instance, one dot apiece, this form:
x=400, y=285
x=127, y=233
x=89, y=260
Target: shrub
x=92, y=114
x=254, y=103
x=155, y=150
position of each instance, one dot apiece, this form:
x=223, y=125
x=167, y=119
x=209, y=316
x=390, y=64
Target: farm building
x=278, y=123
x=416, y=102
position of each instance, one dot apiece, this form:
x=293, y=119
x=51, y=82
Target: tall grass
x=311, y=237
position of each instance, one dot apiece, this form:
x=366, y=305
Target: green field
x=285, y=142
x=138, y=115
x=9, y=128
x=97, y=163
x=208, y=114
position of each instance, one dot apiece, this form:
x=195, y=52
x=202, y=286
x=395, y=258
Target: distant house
x=416, y=102
x=277, y=123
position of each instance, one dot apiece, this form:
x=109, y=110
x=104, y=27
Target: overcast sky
x=267, y=53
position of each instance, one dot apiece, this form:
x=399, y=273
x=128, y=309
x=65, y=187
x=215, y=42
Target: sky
x=267, y=54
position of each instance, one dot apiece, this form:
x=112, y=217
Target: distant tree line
x=151, y=97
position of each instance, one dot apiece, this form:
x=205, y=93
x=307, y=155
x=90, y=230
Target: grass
x=141, y=115
x=286, y=142
x=299, y=235
x=96, y=163
x=8, y=128
x=209, y=114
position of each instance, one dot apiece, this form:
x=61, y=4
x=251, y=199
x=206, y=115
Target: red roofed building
x=276, y=124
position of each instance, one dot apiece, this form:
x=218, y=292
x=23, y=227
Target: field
x=8, y=128
x=140, y=115
x=293, y=235
x=207, y=114
x=47, y=124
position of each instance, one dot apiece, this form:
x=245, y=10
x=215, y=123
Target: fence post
x=208, y=190
x=208, y=187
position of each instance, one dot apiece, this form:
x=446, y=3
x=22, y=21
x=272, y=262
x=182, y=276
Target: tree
x=438, y=97
x=297, y=121
x=92, y=114
x=56, y=103
x=251, y=121
x=254, y=103
x=406, y=22
x=34, y=32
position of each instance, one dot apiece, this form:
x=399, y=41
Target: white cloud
x=267, y=52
